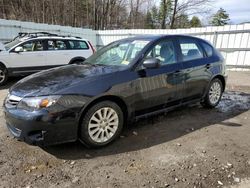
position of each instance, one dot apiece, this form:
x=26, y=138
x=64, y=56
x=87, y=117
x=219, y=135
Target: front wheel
x=101, y=124
x=214, y=94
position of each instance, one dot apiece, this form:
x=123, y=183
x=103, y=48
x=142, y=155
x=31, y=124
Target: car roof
x=151, y=37
x=52, y=37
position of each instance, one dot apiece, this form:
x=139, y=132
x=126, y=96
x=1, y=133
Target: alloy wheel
x=215, y=93
x=103, y=124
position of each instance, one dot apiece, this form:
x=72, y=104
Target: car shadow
x=11, y=81
x=160, y=129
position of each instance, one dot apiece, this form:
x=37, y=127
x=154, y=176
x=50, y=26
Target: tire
x=101, y=131
x=214, y=94
x=3, y=75
x=77, y=61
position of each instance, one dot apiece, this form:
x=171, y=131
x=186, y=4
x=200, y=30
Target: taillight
x=91, y=46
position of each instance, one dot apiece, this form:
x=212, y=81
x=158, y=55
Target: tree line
x=112, y=14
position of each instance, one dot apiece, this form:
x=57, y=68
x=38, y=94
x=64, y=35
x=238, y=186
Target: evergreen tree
x=195, y=22
x=164, y=12
x=182, y=21
x=149, y=21
x=155, y=16
x=221, y=18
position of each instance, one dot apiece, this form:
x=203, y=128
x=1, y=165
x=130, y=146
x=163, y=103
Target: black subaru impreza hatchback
x=125, y=80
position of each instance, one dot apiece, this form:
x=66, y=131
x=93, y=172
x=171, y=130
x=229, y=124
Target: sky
x=239, y=10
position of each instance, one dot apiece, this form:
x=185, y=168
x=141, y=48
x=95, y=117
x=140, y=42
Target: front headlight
x=33, y=103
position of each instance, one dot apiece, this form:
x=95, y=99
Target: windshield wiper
x=85, y=62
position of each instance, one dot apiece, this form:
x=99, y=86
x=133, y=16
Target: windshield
x=118, y=54
x=11, y=44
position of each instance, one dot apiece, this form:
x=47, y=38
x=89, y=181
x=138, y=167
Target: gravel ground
x=188, y=147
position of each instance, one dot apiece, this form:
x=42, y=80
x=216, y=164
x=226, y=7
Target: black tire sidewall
x=83, y=129
x=6, y=75
x=77, y=62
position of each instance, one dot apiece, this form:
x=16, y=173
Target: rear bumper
x=41, y=127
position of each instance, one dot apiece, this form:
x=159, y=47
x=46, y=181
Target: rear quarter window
x=78, y=45
x=208, y=49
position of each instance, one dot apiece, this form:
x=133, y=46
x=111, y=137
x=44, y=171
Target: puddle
x=233, y=100
x=243, y=184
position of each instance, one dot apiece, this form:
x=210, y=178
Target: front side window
x=33, y=46
x=164, y=51
x=190, y=50
x=120, y=53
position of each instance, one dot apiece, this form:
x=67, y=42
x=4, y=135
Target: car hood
x=54, y=80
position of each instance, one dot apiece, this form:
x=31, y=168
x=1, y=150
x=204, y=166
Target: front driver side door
x=160, y=87
x=32, y=59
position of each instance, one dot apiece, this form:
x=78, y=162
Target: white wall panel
x=10, y=28
x=232, y=40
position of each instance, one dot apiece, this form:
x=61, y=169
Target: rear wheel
x=101, y=124
x=77, y=61
x=3, y=75
x=214, y=94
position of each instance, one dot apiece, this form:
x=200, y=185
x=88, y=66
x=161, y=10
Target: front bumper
x=43, y=127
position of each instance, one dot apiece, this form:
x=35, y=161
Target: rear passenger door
x=57, y=52
x=195, y=68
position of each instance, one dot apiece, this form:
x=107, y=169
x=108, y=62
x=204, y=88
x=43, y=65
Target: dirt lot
x=188, y=147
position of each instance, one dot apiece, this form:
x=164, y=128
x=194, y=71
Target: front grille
x=12, y=101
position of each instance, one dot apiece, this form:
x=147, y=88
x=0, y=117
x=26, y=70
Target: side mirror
x=18, y=49
x=151, y=63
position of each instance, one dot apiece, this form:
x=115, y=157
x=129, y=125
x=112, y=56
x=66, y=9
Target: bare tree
x=98, y=14
x=189, y=7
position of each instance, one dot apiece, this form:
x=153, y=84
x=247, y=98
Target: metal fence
x=10, y=28
x=232, y=40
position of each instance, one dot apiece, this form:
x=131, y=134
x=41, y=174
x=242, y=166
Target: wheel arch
x=222, y=79
x=118, y=100
x=3, y=65
x=79, y=58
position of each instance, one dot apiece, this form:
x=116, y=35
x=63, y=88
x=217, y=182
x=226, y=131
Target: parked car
x=126, y=80
x=33, y=52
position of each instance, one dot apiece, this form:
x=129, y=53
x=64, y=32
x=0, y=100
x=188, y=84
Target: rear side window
x=57, y=45
x=190, y=50
x=78, y=45
x=208, y=49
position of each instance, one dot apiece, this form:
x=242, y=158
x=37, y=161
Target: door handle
x=208, y=65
